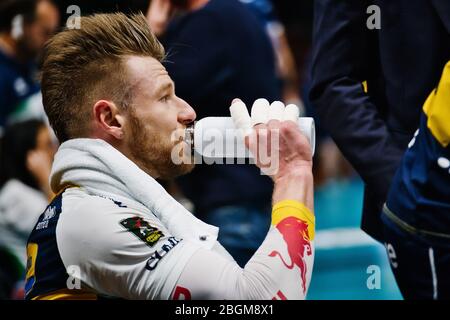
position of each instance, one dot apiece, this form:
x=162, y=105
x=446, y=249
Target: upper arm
x=340, y=40
x=340, y=57
x=281, y=267
x=124, y=253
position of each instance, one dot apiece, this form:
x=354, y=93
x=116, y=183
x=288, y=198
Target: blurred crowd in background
x=228, y=48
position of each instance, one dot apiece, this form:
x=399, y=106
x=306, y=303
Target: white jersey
x=88, y=246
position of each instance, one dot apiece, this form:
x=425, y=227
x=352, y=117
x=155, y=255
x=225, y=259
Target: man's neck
x=127, y=153
x=197, y=4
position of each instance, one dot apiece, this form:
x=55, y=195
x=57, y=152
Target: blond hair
x=81, y=66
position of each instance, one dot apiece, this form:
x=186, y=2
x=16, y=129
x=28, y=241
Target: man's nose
x=186, y=114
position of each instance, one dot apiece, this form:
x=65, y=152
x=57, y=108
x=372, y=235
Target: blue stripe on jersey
x=45, y=269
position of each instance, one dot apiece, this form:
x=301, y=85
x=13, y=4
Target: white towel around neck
x=99, y=168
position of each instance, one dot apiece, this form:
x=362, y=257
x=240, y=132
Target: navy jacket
x=401, y=63
x=215, y=54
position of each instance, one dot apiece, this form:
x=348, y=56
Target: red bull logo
x=297, y=237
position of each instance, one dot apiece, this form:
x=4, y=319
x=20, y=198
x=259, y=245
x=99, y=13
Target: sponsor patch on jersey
x=158, y=255
x=143, y=230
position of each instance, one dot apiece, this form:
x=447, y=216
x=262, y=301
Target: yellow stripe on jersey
x=30, y=276
x=437, y=109
x=365, y=86
x=63, y=188
x=292, y=208
x=66, y=294
x=32, y=250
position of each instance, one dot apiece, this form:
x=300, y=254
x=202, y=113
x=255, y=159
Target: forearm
x=298, y=186
x=280, y=269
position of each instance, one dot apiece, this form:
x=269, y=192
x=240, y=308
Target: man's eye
x=164, y=99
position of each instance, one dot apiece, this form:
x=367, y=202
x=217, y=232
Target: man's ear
x=108, y=119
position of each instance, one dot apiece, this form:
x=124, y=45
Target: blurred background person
x=25, y=26
x=368, y=90
x=218, y=50
x=287, y=70
x=26, y=156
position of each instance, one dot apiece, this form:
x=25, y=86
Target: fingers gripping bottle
x=223, y=137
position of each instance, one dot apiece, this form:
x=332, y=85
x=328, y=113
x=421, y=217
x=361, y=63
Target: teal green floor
x=344, y=252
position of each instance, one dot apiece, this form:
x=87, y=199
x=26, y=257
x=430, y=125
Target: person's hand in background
x=158, y=15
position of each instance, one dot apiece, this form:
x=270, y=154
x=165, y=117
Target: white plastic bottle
x=217, y=137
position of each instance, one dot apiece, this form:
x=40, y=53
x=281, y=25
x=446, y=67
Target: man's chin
x=177, y=171
x=185, y=169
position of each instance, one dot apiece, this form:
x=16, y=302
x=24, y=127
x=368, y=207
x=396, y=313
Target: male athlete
x=112, y=230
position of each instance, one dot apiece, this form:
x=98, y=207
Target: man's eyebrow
x=165, y=86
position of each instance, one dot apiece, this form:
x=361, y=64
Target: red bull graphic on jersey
x=296, y=224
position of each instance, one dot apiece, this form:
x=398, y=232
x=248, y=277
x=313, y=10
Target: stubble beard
x=152, y=152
